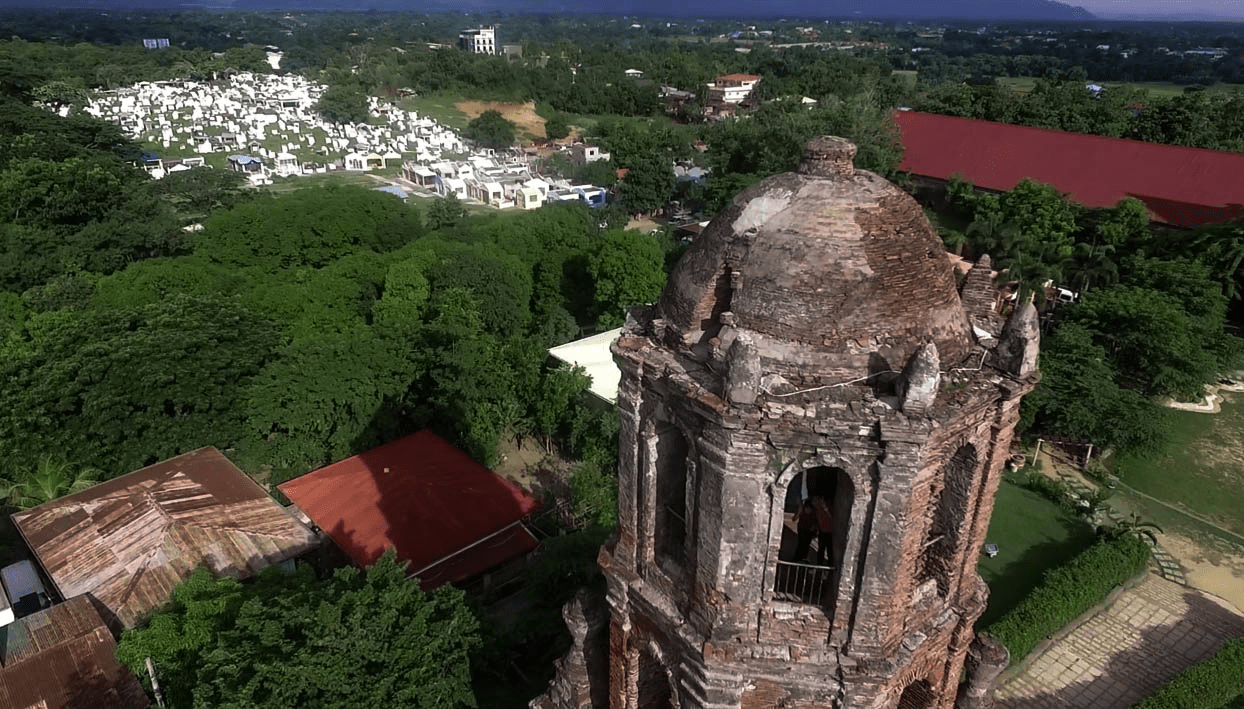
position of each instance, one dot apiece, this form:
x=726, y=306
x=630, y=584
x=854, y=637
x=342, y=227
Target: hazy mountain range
x=887, y=9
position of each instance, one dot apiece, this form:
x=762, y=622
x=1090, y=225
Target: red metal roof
x=424, y=498
x=130, y=540
x=1184, y=187
x=63, y=657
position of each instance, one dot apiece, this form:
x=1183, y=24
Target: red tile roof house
x=129, y=541
x=1181, y=187
x=450, y=518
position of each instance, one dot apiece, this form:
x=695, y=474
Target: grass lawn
x=440, y=107
x=1033, y=535
x=1024, y=84
x=336, y=177
x=1202, y=470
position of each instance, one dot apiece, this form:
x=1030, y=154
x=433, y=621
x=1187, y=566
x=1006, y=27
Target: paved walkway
x=1125, y=651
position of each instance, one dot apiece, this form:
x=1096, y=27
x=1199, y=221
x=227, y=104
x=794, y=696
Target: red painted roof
x=1181, y=186
x=424, y=498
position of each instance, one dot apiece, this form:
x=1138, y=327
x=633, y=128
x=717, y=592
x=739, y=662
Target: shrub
x=1068, y=591
x=1212, y=683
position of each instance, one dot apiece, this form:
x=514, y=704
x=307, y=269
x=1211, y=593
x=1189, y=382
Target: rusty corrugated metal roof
x=61, y=658
x=130, y=540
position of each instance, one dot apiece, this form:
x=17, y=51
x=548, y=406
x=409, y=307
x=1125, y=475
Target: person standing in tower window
x=805, y=523
x=824, y=529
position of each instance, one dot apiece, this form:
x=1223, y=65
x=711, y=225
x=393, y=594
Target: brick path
x=1125, y=651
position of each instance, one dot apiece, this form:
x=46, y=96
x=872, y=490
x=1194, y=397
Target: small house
x=245, y=163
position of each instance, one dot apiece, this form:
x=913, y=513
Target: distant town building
x=155, y=43
x=728, y=93
x=732, y=88
x=481, y=40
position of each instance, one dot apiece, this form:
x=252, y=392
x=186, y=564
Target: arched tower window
x=654, y=691
x=917, y=695
x=948, y=501
x=670, y=472
x=815, y=521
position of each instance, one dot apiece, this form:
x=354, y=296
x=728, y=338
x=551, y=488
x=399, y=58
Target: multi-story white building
x=732, y=88
x=482, y=40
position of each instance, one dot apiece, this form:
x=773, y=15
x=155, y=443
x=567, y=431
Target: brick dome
x=832, y=270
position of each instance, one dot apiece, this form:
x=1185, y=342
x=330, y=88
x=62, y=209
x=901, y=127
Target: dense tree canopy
x=355, y=639
x=491, y=130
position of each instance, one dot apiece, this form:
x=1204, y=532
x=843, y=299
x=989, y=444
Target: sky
x=1218, y=8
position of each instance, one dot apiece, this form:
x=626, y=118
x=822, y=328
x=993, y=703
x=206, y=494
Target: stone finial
x=921, y=378
x=828, y=156
x=742, y=370
x=977, y=290
x=1017, y=348
x=986, y=659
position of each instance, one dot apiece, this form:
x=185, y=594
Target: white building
x=482, y=40
x=732, y=88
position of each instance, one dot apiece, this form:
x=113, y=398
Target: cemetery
x=266, y=126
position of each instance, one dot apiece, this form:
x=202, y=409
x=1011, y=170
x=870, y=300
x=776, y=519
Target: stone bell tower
x=813, y=431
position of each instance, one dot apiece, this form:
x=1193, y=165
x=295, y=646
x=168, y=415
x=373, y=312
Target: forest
x=294, y=329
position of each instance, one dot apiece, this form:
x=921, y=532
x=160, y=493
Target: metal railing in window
x=802, y=583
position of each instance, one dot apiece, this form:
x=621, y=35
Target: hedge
x=1068, y=591
x=1211, y=684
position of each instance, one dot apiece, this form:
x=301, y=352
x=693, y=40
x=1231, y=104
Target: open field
x=1033, y=535
x=455, y=111
x=1202, y=471
x=522, y=115
x=1024, y=84
x=440, y=107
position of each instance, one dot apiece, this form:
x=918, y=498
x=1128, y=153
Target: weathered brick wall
x=834, y=283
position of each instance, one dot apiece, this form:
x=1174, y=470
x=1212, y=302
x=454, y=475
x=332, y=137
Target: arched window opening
x=670, y=468
x=815, y=518
x=917, y=695
x=654, y=690
x=947, y=506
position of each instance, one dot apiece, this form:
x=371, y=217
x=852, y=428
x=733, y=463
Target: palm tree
x=1133, y=526
x=1221, y=247
x=52, y=478
x=994, y=235
x=1093, y=264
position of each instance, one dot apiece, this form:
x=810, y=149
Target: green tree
x=51, y=479
x=648, y=184
x=127, y=387
x=1156, y=344
x=308, y=227
x=1079, y=396
x=369, y=638
x=491, y=130
x=343, y=103
x=201, y=190
x=556, y=128
x=1221, y=247
x=628, y=269
x=446, y=211
x=326, y=398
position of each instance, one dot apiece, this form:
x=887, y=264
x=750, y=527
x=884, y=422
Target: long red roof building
x=1183, y=187
x=447, y=516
